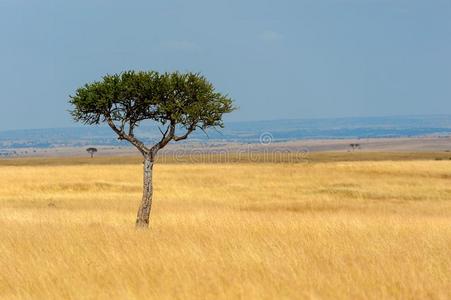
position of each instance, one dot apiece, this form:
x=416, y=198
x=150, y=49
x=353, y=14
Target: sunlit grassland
x=318, y=228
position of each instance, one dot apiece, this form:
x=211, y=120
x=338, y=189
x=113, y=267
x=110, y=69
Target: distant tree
x=354, y=146
x=176, y=101
x=92, y=151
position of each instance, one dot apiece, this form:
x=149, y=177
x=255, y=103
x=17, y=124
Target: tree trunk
x=143, y=217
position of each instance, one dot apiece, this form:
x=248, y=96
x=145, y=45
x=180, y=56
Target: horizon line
x=78, y=125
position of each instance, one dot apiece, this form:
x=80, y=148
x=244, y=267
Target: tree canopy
x=177, y=101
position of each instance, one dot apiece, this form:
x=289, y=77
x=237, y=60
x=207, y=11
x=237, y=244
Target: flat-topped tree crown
x=185, y=101
x=91, y=151
x=175, y=101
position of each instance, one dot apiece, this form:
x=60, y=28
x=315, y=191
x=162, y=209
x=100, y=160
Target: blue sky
x=278, y=59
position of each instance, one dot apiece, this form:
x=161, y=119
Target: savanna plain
x=331, y=226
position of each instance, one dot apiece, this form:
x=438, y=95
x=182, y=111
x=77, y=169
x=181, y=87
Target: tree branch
x=123, y=136
x=167, y=137
x=131, y=127
x=187, y=133
x=204, y=131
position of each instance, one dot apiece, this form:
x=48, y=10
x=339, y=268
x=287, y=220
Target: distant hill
x=242, y=132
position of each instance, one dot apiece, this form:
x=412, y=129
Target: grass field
x=324, y=228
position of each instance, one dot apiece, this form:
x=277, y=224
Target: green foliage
x=187, y=100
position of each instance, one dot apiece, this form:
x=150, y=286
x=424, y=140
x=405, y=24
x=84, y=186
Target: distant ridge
x=243, y=132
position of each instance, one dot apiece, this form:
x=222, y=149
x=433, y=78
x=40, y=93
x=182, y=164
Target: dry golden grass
x=174, y=157
x=337, y=230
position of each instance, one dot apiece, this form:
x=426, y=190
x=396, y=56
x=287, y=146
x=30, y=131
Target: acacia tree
x=91, y=151
x=354, y=146
x=174, y=101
